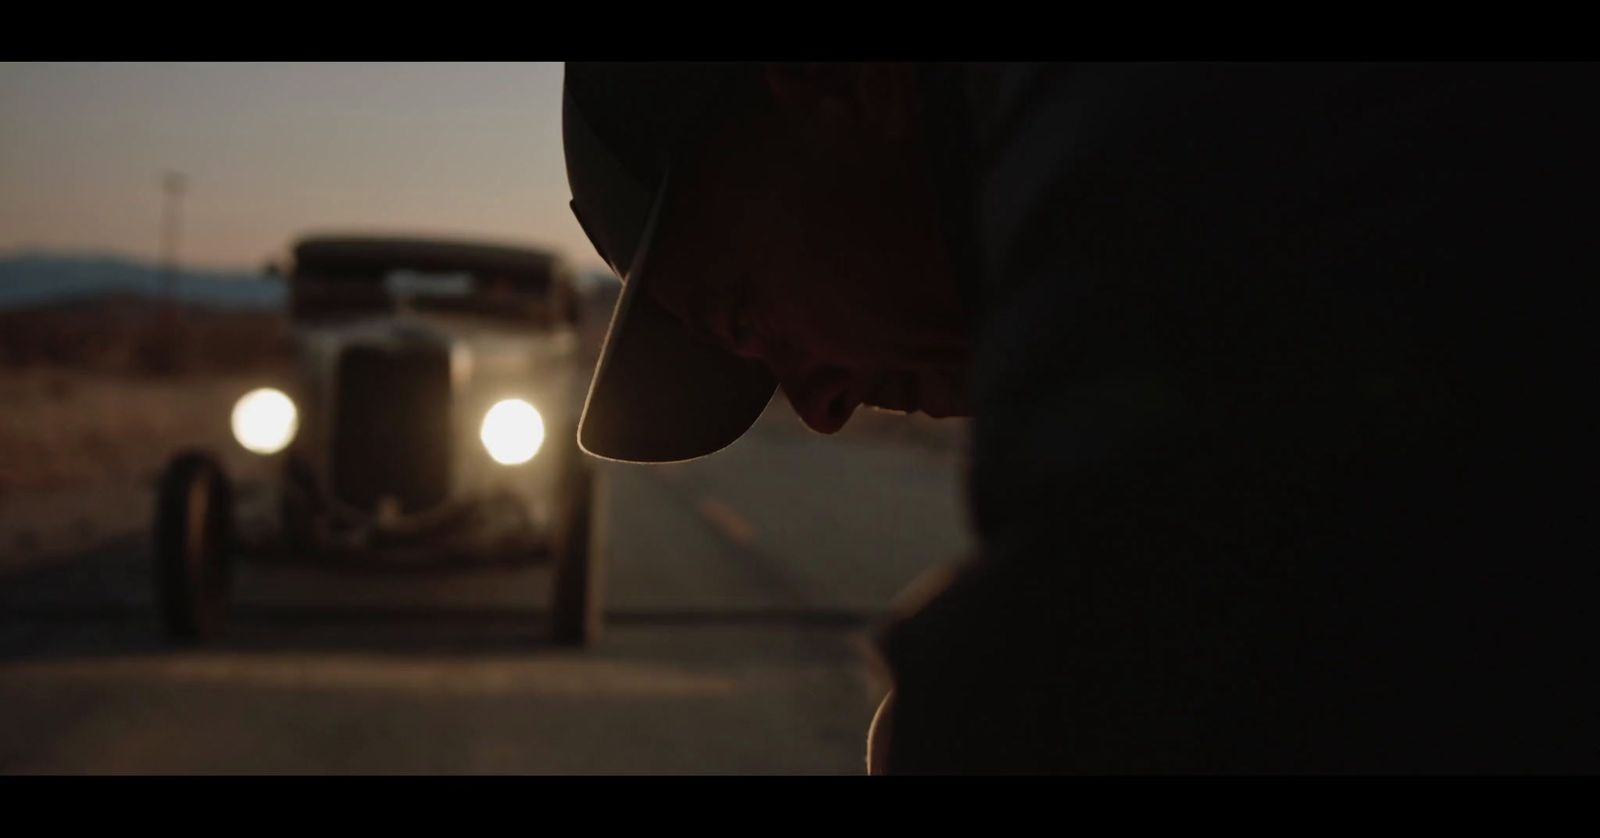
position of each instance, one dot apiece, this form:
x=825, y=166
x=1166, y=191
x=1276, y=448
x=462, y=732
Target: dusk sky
x=271, y=150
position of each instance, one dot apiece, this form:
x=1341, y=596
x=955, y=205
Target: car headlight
x=264, y=421
x=512, y=432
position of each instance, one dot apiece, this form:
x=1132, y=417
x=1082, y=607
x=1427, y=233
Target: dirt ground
x=81, y=450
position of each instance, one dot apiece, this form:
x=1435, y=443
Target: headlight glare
x=265, y=421
x=512, y=432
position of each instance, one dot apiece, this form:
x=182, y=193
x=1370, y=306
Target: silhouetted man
x=1279, y=374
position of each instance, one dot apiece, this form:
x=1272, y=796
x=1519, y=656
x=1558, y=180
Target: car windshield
x=422, y=285
x=353, y=283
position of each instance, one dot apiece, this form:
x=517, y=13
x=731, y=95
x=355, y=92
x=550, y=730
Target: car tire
x=577, y=602
x=193, y=533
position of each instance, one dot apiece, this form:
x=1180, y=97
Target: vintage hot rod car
x=430, y=420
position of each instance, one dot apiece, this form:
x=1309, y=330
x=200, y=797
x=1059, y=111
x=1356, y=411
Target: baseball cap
x=659, y=393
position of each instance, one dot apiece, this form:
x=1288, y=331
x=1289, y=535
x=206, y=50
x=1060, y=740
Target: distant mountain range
x=38, y=278
x=29, y=279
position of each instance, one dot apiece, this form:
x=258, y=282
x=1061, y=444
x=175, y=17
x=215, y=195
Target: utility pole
x=173, y=185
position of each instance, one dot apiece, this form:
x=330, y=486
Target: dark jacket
x=1282, y=424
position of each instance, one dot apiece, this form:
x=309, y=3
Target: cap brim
x=660, y=394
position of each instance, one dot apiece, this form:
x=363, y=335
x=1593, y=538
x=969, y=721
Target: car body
x=430, y=418
x=389, y=455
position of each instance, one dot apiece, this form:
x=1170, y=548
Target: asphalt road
x=742, y=593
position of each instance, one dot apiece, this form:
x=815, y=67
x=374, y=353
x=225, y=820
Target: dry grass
x=64, y=427
x=135, y=336
x=101, y=391
x=98, y=395
x=80, y=452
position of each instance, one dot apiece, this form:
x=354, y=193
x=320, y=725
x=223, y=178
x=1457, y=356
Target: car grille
x=392, y=427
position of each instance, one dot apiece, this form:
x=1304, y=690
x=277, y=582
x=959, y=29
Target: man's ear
x=877, y=98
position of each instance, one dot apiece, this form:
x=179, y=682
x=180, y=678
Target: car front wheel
x=193, y=528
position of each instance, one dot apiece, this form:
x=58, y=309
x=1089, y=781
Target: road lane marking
x=728, y=523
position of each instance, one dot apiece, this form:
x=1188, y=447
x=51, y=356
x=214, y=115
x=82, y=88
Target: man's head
x=794, y=228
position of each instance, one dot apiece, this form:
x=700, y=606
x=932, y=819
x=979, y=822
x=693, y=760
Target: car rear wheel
x=577, y=609
x=193, y=529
